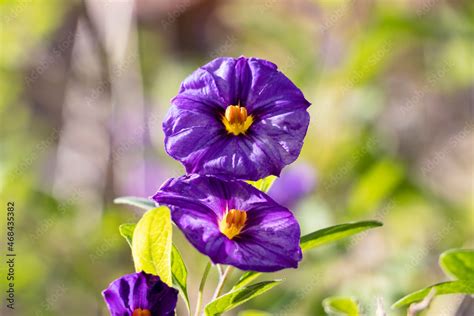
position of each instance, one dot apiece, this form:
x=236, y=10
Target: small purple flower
x=140, y=294
x=237, y=117
x=295, y=182
x=233, y=223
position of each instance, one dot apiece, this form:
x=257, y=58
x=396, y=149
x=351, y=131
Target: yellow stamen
x=232, y=223
x=141, y=312
x=236, y=120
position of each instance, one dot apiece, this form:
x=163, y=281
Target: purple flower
x=237, y=117
x=293, y=185
x=233, y=223
x=140, y=294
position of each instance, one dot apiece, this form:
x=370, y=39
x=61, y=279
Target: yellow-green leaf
x=263, y=184
x=151, y=244
x=451, y=287
x=341, y=306
x=458, y=263
x=180, y=274
x=126, y=230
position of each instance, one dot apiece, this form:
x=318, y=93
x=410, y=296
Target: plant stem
x=221, y=283
x=219, y=269
x=201, y=289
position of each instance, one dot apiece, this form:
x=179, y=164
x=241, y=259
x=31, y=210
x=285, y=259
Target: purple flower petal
x=271, y=92
x=294, y=184
x=196, y=136
x=214, y=84
x=268, y=243
x=117, y=297
x=269, y=240
x=140, y=291
x=190, y=132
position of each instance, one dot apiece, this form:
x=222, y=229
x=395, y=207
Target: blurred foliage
x=339, y=306
x=373, y=71
x=459, y=264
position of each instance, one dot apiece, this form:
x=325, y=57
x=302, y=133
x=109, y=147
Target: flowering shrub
x=234, y=125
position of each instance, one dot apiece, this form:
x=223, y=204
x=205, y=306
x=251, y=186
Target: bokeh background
x=86, y=84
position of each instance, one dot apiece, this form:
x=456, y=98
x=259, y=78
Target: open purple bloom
x=140, y=294
x=233, y=223
x=238, y=117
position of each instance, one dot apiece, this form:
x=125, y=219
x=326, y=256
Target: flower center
x=141, y=312
x=236, y=120
x=232, y=223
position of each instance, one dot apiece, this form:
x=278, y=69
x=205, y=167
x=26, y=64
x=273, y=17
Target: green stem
x=221, y=283
x=201, y=289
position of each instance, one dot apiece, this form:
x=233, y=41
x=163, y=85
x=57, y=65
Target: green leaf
x=341, y=306
x=458, y=263
x=151, y=243
x=245, y=279
x=451, y=287
x=263, y=184
x=180, y=274
x=333, y=233
x=235, y=298
x=136, y=201
x=316, y=239
x=126, y=230
x=178, y=268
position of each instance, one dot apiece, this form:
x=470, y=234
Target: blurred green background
x=85, y=86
